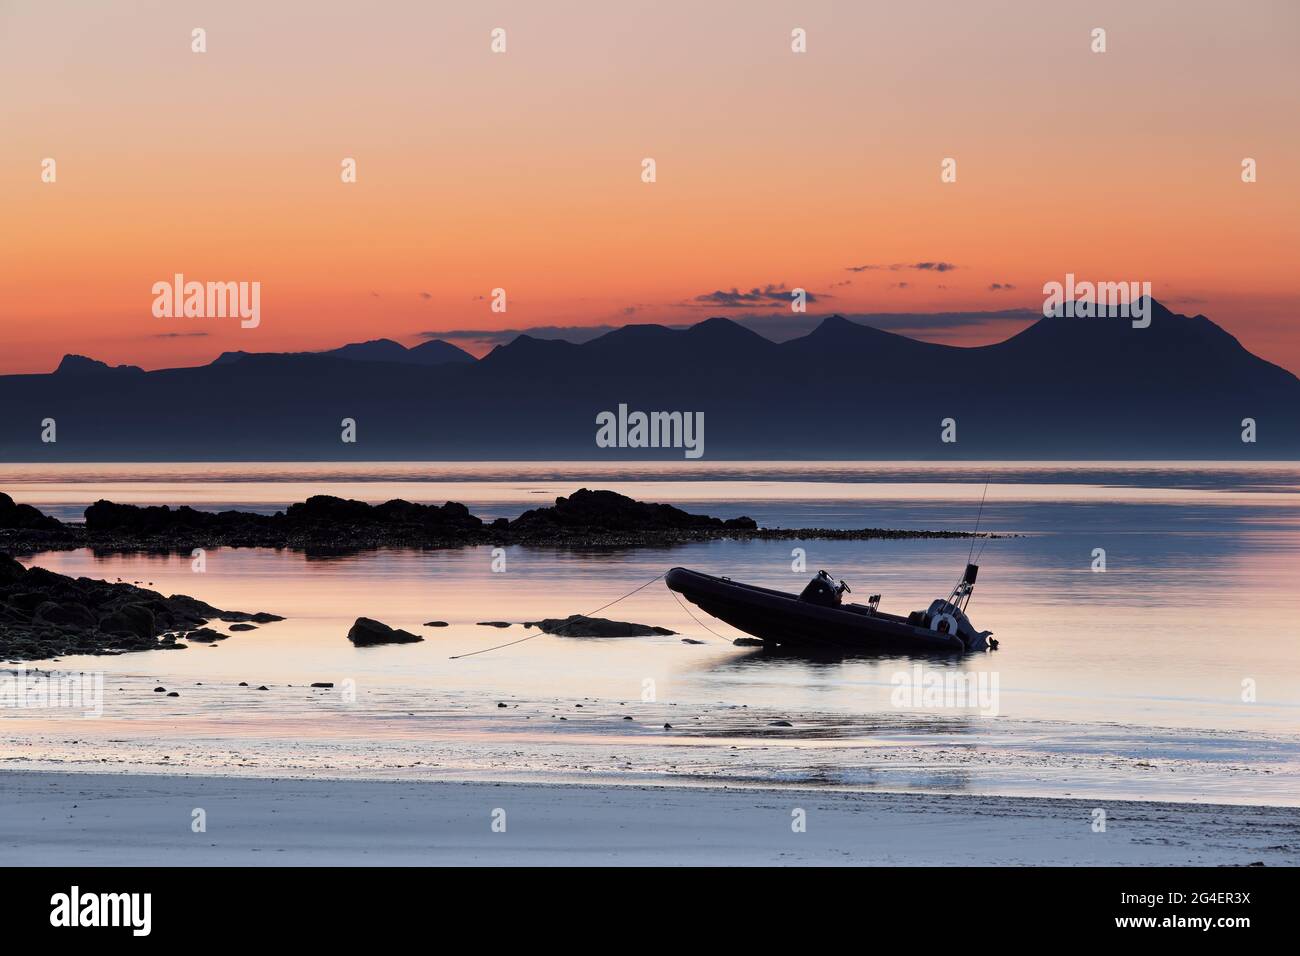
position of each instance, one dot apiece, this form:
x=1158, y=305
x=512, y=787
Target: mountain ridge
x=431, y=352
x=1062, y=388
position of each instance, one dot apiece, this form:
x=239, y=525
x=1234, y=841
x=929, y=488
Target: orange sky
x=522, y=170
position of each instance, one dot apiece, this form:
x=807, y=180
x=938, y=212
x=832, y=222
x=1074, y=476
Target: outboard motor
x=947, y=618
x=824, y=591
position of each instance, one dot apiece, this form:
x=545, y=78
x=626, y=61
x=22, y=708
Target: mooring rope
x=697, y=620
x=456, y=657
x=978, y=516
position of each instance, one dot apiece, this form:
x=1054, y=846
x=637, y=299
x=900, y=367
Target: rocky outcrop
x=367, y=632
x=324, y=523
x=587, y=511
x=579, y=625
x=24, y=529
x=14, y=516
x=328, y=511
x=44, y=615
x=105, y=519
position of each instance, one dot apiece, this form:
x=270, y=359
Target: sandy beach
x=65, y=819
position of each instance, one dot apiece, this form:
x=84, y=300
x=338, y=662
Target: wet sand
x=58, y=819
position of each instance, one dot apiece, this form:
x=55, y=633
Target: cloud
x=1000, y=286
x=179, y=335
x=896, y=266
x=766, y=295
x=426, y=295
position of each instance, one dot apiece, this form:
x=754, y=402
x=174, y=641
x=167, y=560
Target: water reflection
x=1100, y=674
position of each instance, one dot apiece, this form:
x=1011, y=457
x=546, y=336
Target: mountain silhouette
x=1070, y=388
x=80, y=365
x=432, y=352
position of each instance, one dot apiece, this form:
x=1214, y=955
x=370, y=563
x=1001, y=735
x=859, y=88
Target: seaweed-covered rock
x=609, y=511
x=128, y=619
x=579, y=625
x=44, y=614
x=329, y=510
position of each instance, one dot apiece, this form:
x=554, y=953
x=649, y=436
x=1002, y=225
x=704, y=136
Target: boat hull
x=782, y=620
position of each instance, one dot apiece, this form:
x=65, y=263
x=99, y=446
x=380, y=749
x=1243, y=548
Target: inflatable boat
x=819, y=619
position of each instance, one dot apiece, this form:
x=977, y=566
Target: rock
x=668, y=726
x=493, y=623
x=435, y=623
x=748, y=642
x=77, y=615
x=323, y=684
x=263, y=687
x=25, y=517
x=173, y=694
x=367, y=632
x=261, y=617
x=27, y=601
x=160, y=690
x=205, y=635
x=780, y=723
x=10, y=570
x=243, y=627
x=608, y=511
x=691, y=640
x=499, y=704
x=129, y=619
x=579, y=625
x=44, y=614
x=243, y=683
x=331, y=512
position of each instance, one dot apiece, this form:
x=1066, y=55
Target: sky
x=522, y=170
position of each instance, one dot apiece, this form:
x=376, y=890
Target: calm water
x=1128, y=682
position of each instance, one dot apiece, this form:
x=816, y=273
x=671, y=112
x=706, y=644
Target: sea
x=1146, y=614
